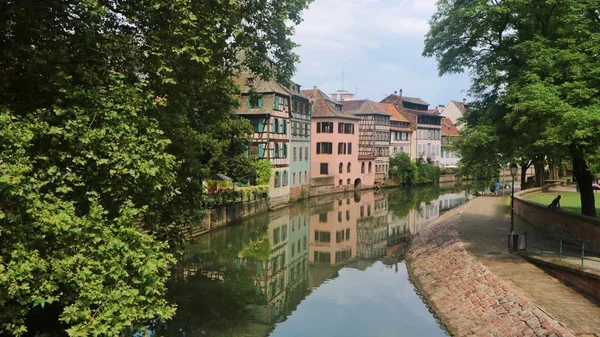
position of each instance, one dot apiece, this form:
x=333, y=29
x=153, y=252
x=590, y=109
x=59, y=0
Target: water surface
x=331, y=266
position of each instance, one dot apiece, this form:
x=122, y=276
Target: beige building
x=455, y=110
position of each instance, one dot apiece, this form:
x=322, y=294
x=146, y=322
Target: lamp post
x=513, y=172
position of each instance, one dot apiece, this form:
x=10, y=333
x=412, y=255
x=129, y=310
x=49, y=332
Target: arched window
x=348, y=170
x=341, y=168
x=362, y=167
x=370, y=167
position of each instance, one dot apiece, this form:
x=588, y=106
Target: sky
x=378, y=44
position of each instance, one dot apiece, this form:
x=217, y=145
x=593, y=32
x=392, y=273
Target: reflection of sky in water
x=375, y=302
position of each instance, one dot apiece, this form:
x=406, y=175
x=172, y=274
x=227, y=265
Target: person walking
x=497, y=188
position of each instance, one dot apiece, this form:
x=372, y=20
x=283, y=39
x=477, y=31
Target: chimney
x=314, y=92
x=464, y=101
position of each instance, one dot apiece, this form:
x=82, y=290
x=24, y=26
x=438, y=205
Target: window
x=306, y=176
x=323, y=217
x=362, y=167
x=325, y=127
x=277, y=180
x=339, y=236
x=261, y=150
x=348, y=182
x=322, y=236
x=294, y=179
x=254, y=102
x=349, y=148
x=294, y=154
x=340, y=182
x=341, y=168
x=340, y=127
x=349, y=128
x=322, y=257
x=362, y=211
x=370, y=167
x=306, y=153
x=368, y=210
x=324, y=168
x=347, y=233
x=324, y=148
x=306, y=133
x=276, y=235
x=348, y=170
x=285, y=178
x=347, y=215
x=339, y=216
x=300, y=155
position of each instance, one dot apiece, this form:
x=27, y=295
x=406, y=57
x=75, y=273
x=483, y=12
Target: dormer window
x=250, y=82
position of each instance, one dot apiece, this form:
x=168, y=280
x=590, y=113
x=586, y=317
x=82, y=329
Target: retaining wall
x=558, y=222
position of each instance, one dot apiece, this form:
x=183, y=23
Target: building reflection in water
x=243, y=279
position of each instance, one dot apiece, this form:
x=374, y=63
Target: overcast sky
x=378, y=43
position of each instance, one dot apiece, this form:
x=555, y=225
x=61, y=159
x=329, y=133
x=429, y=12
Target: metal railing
x=569, y=250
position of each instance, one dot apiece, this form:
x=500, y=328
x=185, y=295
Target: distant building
x=455, y=110
x=266, y=104
x=400, y=131
x=449, y=156
x=343, y=95
x=374, y=137
x=428, y=125
x=335, y=164
x=300, y=143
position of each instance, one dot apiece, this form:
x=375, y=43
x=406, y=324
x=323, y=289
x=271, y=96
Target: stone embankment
x=468, y=298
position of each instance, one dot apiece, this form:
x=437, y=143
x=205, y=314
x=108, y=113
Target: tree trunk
x=539, y=171
x=585, y=178
x=525, y=164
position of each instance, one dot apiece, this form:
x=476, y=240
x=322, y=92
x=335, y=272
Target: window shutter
x=261, y=126
x=285, y=126
x=285, y=152
x=318, y=148
x=261, y=150
x=349, y=148
x=318, y=127
x=276, y=107
x=260, y=102
x=249, y=101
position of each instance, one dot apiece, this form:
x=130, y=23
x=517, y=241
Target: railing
x=564, y=249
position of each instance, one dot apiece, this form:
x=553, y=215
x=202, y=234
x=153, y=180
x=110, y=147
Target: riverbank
x=465, y=294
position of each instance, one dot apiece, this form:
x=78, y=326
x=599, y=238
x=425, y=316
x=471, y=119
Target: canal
x=331, y=266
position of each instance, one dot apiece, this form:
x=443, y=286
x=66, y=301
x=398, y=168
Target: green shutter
x=249, y=102
x=285, y=151
x=261, y=126
x=260, y=102
x=285, y=126
x=276, y=107
x=261, y=150
x=284, y=103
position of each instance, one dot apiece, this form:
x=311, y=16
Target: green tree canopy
x=534, y=70
x=112, y=113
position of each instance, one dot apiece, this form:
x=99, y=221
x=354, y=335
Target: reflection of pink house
x=334, y=147
x=333, y=227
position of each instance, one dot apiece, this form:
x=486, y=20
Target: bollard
x=582, y=253
x=560, y=256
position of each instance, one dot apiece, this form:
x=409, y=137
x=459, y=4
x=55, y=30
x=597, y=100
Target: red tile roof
x=324, y=106
x=391, y=109
x=448, y=128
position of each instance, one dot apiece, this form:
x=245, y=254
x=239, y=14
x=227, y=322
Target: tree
x=403, y=170
x=534, y=66
x=112, y=113
x=264, y=171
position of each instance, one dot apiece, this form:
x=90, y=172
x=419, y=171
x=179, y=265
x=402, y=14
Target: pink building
x=334, y=148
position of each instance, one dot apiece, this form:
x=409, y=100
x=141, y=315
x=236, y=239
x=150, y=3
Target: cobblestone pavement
x=470, y=299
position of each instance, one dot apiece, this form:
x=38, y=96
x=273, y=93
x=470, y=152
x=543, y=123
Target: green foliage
x=112, y=114
x=535, y=79
x=409, y=173
x=264, y=171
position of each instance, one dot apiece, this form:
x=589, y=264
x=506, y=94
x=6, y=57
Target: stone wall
x=558, y=222
x=586, y=282
x=222, y=216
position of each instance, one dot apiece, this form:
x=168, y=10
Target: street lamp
x=513, y=172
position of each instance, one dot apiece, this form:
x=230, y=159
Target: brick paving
x=469, y=299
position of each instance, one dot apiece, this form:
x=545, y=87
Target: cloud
x=378, y=43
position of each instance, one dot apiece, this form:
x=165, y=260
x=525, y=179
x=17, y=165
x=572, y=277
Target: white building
x=449, y=155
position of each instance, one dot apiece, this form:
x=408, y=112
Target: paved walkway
x=484, y=224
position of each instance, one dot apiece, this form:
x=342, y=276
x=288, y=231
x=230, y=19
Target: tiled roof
x=259, y=85
x=396, y=98
x=363, y=107
x=448, y=128
x=391, y=109
x=324, y=106
x=423, y=113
